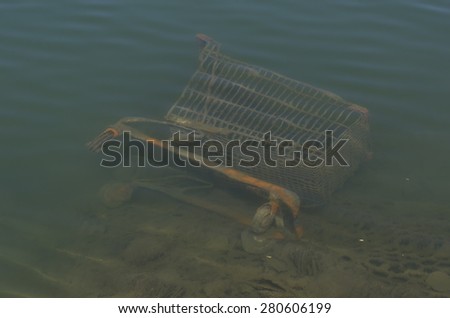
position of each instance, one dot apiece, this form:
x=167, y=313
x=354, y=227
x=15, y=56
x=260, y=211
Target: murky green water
x=69, y=68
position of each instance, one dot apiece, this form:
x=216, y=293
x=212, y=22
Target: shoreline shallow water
x=67, y=71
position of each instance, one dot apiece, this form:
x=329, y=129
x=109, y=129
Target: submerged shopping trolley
x=227, y=100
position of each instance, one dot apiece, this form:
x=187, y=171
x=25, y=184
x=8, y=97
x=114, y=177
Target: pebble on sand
x=439, y=281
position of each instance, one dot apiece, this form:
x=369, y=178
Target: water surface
x=70, y=68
